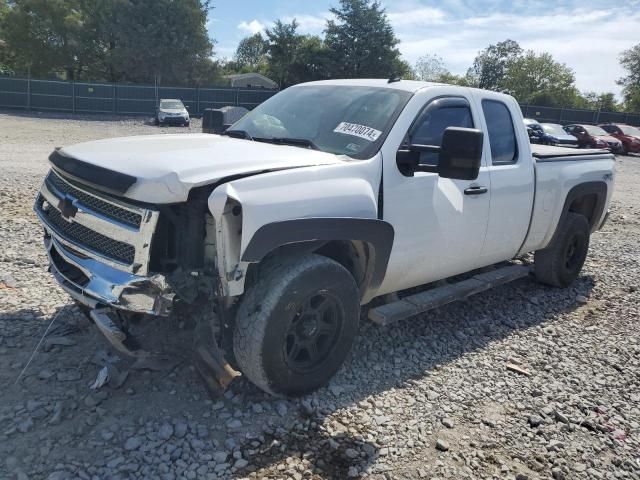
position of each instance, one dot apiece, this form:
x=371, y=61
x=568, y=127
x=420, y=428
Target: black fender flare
x=599, y=188
x=377, y=233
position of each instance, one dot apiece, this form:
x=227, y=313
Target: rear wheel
x=560, y=263
x=296, y=324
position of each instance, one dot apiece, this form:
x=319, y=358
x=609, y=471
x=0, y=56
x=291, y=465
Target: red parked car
x=590, y=136
x=628, y=135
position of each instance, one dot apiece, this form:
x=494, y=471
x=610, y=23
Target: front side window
x=502, y=135
x=432, y=126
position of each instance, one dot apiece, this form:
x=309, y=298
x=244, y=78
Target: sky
x=586, y=35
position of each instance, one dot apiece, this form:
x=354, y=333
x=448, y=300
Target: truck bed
x=557, y=171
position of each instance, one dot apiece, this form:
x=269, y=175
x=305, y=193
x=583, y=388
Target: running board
x=439, y=296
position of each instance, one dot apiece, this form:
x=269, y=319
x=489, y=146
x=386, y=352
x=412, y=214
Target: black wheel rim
x=313, y=332
x=572, y=253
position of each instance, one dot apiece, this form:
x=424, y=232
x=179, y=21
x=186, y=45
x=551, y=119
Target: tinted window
x=502, y=136
x=433, y=125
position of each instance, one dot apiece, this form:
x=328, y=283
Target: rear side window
x=502, y=135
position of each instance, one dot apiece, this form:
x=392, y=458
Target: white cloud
x=587, y=38
x=252, y=27
x=416, y=17
x=588, y=41
x=314, y=24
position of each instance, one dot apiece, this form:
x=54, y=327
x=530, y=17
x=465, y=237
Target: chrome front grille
x=56, y=183
x=96, y=225
x=82, y=236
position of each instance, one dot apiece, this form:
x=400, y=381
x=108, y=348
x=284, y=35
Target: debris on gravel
x=522, y=382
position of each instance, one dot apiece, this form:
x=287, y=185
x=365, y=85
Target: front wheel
x=296, y=324
x=560, y=263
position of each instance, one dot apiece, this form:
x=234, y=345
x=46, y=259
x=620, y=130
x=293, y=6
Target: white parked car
x=172, y=111
x=324, y=197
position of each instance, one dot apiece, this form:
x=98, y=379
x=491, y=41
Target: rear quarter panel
x=554, y=180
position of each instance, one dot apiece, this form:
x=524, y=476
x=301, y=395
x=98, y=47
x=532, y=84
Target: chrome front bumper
x=94, y=283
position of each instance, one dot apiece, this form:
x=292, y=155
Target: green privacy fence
x=127, y=99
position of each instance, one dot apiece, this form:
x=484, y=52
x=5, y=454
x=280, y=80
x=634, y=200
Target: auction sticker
x=356, y=130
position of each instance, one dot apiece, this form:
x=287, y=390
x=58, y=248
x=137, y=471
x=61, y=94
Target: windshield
x=627, y=130
x=339, y=119
x=171, y=104
x=592, y=130
x=553, y=129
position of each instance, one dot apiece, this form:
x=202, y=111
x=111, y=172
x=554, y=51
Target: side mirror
x=461, y=153
x=459, y=156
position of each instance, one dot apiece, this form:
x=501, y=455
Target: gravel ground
x=429, y=398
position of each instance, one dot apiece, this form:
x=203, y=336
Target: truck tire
x=560, y=263
x=296, y=324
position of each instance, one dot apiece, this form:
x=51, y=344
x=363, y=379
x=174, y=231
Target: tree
x=5, y=58
x=361, y=41
x=163, y=38
x=114, y=40
x=251, y=54
x=491, y=64
x=42, y=35
x=630, y=61
x=599, y=101
x=283, y=45
x=453, y=79
x=540, y=80
x=311, y=61
x=431, y=68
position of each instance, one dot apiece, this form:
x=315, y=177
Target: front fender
x=376, y=233
x=347, y=190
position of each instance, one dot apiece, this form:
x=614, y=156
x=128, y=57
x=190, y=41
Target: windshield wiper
x=301, y=142
x=237, y=134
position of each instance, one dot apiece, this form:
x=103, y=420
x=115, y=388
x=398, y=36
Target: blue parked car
x=554, y=134
x=534, y=129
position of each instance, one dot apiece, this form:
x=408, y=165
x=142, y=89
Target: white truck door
x=439, y=223
x=511, y=169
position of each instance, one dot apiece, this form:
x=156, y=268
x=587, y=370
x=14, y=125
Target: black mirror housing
x=461, y=153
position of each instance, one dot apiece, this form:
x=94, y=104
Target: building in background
x=250, y=80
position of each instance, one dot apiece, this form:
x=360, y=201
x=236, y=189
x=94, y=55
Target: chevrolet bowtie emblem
x=67, y=208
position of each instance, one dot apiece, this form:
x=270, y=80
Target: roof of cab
x=407, y=85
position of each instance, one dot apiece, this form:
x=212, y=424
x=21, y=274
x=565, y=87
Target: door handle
x=477, y=190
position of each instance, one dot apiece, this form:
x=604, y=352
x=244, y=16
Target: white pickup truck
x=324, y=197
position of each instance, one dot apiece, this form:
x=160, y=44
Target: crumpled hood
x=163, y=168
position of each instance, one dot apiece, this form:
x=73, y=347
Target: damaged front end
x=125, y=261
